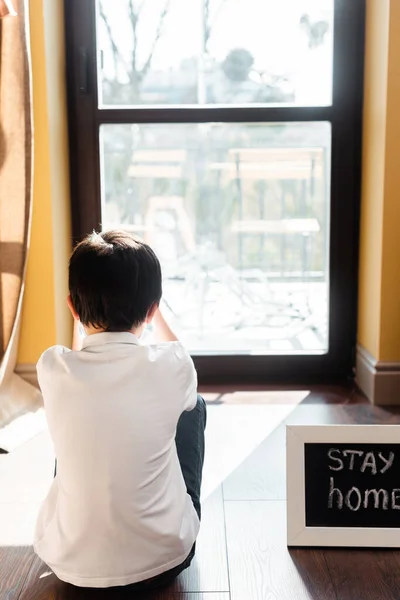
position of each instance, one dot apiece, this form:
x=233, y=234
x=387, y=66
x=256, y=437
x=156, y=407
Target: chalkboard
x=343, y=485
x=352, y=485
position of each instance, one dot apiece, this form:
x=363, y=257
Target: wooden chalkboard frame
x=298, y=534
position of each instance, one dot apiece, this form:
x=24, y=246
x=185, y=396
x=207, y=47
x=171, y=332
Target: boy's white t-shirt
x=117, y=511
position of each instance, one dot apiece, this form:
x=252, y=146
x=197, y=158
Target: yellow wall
x=389, y=349
x=379, y=281
x=374, y=137
x=45, y=319
x=59, y=167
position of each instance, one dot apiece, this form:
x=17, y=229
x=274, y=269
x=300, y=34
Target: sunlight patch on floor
x=17, y=523
x=235, y=430
x=22, y=429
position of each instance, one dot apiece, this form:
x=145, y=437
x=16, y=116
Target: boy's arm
x=76, y=337
x=163, y=332
x=186, y=372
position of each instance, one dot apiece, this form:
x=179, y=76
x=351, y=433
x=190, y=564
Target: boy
x=127, y=428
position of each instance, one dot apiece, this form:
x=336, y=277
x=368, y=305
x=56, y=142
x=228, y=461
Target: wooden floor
x=242, y=553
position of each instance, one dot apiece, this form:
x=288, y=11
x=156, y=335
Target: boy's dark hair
x=114, y=280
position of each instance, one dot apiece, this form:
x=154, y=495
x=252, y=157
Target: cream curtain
x=7, y=8
x=16, y=395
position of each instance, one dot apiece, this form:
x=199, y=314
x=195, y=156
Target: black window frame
x=345, y=115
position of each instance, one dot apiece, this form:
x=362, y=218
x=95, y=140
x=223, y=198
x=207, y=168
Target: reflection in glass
x=239, y=216
x=155, y=52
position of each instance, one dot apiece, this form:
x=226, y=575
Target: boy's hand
x=163, y=332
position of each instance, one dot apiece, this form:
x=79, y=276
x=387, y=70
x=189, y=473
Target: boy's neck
x=89, y=330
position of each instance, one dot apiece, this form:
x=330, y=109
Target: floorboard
x=364, y=574
x=367, y=414
x=209, y=569
x=15, y=563
x=261, y=566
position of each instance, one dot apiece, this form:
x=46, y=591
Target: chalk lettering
x=388, y=462
x=352, y=454
x=377, y=494
x=395, y=497
x=337, y=493
x=339, y=460
x=369, y=462
x=356, y=491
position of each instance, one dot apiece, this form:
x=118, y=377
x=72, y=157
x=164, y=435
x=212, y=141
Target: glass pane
x=239, y=217
x=174, y=52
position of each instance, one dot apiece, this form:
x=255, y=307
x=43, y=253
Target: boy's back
x=118, y=511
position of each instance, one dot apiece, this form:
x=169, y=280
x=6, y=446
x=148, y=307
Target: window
x=226, y=133
x=179, y=52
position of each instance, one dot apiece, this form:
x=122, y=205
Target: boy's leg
x=190, y=447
